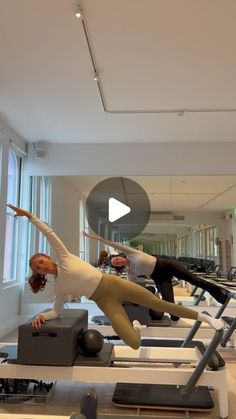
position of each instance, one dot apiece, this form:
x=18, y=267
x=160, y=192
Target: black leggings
x=166, y=269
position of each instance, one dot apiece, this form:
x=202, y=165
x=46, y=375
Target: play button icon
x=118, y=208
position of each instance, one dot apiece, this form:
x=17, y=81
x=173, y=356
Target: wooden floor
x=65, y=397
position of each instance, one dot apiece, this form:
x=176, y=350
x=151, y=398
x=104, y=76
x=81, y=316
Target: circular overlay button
x=118, y=208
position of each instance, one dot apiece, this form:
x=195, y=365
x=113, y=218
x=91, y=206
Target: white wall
x=136, y=159
x=9, y=296
x=65, y=213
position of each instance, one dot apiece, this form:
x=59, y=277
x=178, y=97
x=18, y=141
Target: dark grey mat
x=162, y=396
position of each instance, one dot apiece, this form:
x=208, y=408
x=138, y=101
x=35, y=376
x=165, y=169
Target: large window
x=83, y=244
x=13, y=195
x=200, y=243
x=40, y=199
x=181, y=246
x=211, y=247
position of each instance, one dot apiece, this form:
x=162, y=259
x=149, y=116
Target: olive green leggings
x=113, y=290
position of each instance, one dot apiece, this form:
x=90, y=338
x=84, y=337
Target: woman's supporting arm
x=54, y=313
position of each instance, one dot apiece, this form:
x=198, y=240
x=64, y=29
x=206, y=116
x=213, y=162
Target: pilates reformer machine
x=173, y=378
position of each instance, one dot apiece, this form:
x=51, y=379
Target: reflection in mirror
x=192, y=219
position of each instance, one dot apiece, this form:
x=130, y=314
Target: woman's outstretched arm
x=121, y=247
x=51, y=236
x=20, y=212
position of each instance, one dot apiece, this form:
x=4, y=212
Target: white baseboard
x=9, y=326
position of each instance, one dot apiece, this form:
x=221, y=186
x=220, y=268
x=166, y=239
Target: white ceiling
x=176, y=193
x=155, y=58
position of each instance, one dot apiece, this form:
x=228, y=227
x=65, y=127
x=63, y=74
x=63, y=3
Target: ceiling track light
x=78, y=12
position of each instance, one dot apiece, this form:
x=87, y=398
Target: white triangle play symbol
x=117, y=209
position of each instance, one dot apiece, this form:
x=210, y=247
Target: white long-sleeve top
x=74, y=275
x=140, y=263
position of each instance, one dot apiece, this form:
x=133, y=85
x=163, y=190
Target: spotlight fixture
x=180, y=114
x=95, y=77
x=78, y=12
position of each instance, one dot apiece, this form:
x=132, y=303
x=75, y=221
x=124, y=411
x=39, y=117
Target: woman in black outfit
x=161, y=270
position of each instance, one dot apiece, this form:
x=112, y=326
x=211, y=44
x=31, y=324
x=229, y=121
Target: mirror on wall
x=181, y=207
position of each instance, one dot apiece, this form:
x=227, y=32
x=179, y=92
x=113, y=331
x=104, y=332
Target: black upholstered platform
x=161, y=396
x=102, y=359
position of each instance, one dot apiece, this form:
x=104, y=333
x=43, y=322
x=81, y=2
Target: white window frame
x=40, y=205
x=83, y=224
x=12, y=223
